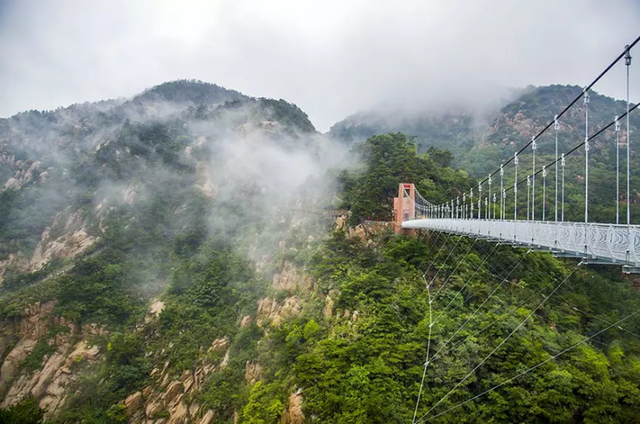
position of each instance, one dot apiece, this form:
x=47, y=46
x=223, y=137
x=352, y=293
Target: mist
x=330, y=58
x=230, y=169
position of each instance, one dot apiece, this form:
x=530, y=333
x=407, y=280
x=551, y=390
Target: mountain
x=482, y=141
x=482, y=138
x=453, y=130
x=180, y=192
x=518, y=121
x=70, y=154
x=194, y=254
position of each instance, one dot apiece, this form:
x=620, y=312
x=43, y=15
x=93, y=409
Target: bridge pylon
x=404, y=208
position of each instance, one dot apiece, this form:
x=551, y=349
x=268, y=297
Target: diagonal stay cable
x=428, y=287
x=435, y=243
x=501, y=343
x=467, y=282
x=538, y=365
x=435, y=258
x=508, y=310
x=445, y=260
x=576, y=147
x=569, y=329
x=431, y=323
x=486, y=253
x=504, y=316
x=590, y=315
x=506, y=278
x=493, y=271
x=426, y=361
x=454, y=270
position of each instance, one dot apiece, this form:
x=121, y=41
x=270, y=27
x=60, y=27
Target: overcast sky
x=330, y=57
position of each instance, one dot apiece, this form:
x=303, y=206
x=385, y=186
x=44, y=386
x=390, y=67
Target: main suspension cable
x=573, y=102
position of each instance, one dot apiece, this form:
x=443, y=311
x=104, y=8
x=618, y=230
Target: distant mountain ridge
x=481, y=141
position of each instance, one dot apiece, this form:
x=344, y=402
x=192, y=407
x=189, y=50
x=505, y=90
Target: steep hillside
x=518, y=121
x=182, y=192
x=73, y=161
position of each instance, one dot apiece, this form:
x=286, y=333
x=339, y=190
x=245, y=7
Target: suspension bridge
x=497, y=212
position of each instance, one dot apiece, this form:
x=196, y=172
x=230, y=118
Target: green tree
x=25, y=412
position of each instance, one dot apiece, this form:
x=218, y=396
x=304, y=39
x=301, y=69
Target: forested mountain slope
x=171, y=259
x=483, y=141
x=483, y=138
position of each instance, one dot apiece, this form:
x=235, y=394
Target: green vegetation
x=388, y=160
x=25, y=412
x=207, y=293
x=192, y=91
x=25, y=213
x=480, y=147
x=97, y=396
x=36, y=357
x=456, y=131
x=368, y=368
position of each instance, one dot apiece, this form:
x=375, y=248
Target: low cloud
x=331, y=58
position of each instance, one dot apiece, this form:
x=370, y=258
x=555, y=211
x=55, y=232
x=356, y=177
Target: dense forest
x=273, y=311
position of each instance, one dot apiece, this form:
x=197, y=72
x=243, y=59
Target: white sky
x=330, y=57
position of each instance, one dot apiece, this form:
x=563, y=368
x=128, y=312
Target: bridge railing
x=609, y=243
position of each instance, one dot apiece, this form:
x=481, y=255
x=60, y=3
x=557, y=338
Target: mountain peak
x=189, y=91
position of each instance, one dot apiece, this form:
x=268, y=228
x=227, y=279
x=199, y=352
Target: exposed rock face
x=171, y=399
x=208, y=417
x=270, y=311
x=341, y=223
x=132, y=402
x=219, y=344
x=23, y=174
x=294, y=414
x=13, y=261
x=73, y=241
x=152, y=409
x=172, y=391
x=246, y=321
x=290, y=278
x=174, y=396
x=252, y=372
x=358, y=232
x=11, y=364
x=129, y=195
x=156, y=308
x=179, y=413
x=204, y=180
x=365, y=230
x=328, y=307
x=50, y=384
x=29, y=330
